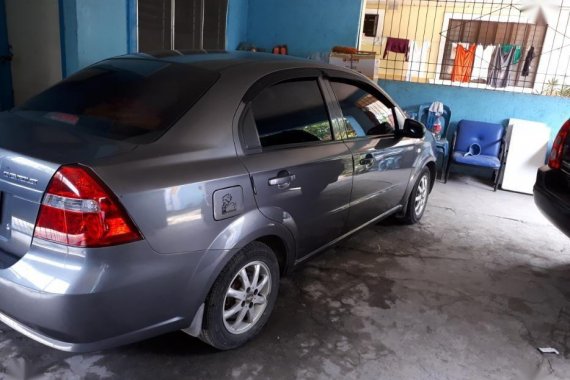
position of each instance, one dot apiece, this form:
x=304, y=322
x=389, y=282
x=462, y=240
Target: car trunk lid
x=31, y=151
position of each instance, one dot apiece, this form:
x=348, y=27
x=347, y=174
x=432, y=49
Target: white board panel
x=527, y=144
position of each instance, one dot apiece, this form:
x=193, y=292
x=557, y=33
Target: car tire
x=236, y=309
x=418, y=198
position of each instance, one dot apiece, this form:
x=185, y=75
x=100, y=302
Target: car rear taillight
x=557, y=152
x=79, y=210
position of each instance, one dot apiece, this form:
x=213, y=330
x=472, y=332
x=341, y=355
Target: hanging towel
x=517, y=54
x=463, y=64
x=397, y=45
x=419, y=59
x=482, y=60
x=527, y=62
x=500, y=67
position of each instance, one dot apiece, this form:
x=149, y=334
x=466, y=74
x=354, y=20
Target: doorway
x=181, y=24
x=34, y=39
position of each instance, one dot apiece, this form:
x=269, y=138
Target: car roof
x=220, y=61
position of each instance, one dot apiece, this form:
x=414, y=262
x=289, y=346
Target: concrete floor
x=469, y=293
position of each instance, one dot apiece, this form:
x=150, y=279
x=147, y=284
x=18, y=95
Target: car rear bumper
x=88, y=300
x=166, y=326
x=551, y=194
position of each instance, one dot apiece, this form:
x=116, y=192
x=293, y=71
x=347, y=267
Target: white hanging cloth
x=483, y=56
x=419, y=58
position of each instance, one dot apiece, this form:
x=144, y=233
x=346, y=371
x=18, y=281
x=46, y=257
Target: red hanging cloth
x=463, y=65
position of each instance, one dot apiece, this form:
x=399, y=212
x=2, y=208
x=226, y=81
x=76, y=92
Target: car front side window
x=364, y=114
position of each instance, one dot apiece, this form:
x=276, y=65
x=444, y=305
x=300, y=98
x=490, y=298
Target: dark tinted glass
x=194, y=24
x=215, y=14
x=122, y=98
x=154, y=24
x=364, y=114
x=188, y=25
x=290, y=113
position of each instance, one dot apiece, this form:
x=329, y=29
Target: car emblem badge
x=20, y=178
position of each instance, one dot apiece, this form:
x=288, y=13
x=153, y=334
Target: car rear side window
x=123, y=98
x=290, y=113
x=364, y=113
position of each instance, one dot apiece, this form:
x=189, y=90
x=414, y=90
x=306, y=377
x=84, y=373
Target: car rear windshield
x=123, y=98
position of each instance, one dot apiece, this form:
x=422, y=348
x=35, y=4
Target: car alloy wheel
x=246, y=297
x=421, y=195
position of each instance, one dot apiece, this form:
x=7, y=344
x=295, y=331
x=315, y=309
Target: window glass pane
x=215, y=24
x=363, y=113
x=122, y=98
x=154, y=25
x=290, y=113
x=188, y=24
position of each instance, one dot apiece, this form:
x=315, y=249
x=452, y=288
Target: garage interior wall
x=304, y=26
x=236, y=30
x=33, y=33
x=483, y=105
x=92, y=30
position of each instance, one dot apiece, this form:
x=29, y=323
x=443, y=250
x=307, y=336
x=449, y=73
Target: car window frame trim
x=342, y=77
x=267, y=81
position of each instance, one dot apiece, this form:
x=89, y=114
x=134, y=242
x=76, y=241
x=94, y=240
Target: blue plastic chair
x=489, y=141
x=442, y=145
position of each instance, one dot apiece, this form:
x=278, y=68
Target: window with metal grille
x=182, y=24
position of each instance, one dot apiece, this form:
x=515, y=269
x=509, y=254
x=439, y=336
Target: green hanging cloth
x=518, y=52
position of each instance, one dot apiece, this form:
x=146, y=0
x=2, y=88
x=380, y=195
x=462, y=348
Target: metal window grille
x=468, y=43
x=183, y=24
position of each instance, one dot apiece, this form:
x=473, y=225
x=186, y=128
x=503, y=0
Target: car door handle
x=283, y=179
x=368, y=161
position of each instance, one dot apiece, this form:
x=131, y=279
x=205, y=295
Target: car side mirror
x=413, y=128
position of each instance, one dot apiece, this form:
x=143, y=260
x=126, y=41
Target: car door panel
x=382, y=167
x=313, y=201
x=302, y=176
x=382, y=158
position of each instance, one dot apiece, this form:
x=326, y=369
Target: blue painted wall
x=132, y=25
x=483, y=105
x=305, y=26
x=236, y=29
x=92, y=30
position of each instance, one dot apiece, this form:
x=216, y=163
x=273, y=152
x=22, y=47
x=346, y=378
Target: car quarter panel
x=173, y=187
x=91, y=295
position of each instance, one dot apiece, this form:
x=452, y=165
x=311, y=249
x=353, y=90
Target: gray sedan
x=152, y=193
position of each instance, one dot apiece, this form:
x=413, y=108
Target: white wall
x=555, y=58
x=33, y=32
